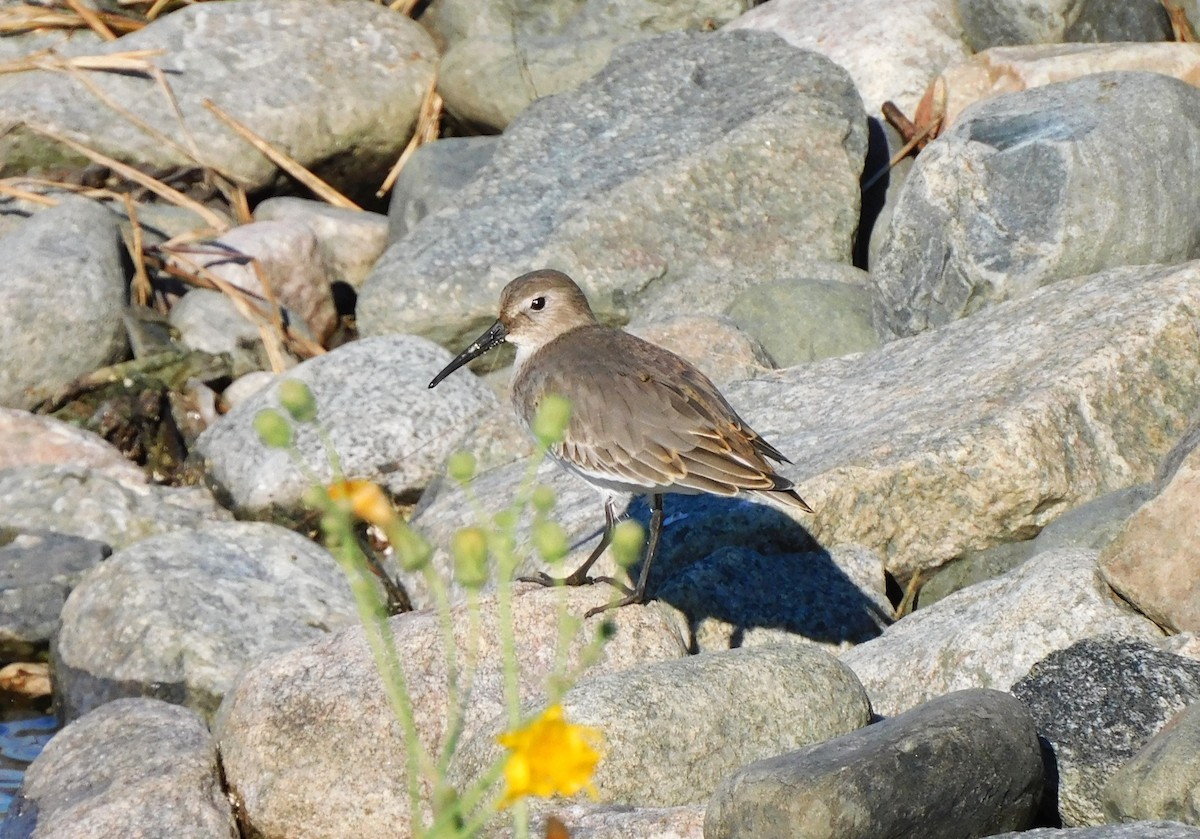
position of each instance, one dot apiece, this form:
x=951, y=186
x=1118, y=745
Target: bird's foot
x=576, y=579
x=629, y=599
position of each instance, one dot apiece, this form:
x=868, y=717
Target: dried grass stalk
x=132, y=61
x=93, y=20
x=27, y=17
x=429, y=125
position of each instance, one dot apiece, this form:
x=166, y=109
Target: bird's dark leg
x=638, y=595
x=580, y=577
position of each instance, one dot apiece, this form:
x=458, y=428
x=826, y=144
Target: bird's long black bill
x=493, y=337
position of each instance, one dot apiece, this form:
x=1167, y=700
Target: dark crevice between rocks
x=873, y=197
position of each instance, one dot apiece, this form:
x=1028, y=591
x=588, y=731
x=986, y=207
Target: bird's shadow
x=734, y=568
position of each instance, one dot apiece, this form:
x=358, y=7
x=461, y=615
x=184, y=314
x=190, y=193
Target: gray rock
x=978, y=433
x=1133, y=830
x=715, y=344
x=802, y=319
x=891, y=50
x=83, y=502
x=1090, y=525
x=208, y=320
x=136, y=767
x=258, y=62
x=311, y=747
x=350, y=240
x=965, y=764
x=62, y=290
x=498, y=59
x=1187, y=442
x=990, y=634
x=674, y=729
x=179, y=616
x=1033, y=187
x=38, y=569
x=1161, y=781
x=1097, y=703
x=393, y=430
x=628, y=183
x=27, y=439
x=616, y=821
x=432, y=176
x=996, y=23
x=737, y=597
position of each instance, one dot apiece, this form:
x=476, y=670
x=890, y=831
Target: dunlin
x=643, y=420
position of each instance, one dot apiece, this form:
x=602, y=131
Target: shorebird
x=643, y=420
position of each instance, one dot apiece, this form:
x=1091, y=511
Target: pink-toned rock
x=1154, y=563
x=891, y=50
x=606, y=821
x=29, y=439
x=1010, y=69
x=292, y=262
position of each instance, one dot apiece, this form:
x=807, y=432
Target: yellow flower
x=366, y=500
x=548, y=756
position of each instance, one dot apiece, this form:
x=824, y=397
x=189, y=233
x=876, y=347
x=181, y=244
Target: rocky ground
x=985, y=368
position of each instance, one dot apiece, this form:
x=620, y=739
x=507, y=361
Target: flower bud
x=298, y=400
x=550, y=540
x=273, y=429
x=550, y=422
x=470, y=549
x=461, y=466
x=627, y=542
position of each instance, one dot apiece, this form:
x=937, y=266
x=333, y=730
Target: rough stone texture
x=245, y=386
x=806, y=319
x=312, y=749
x=608, y=821
x=500, y=57
x=350, y=240
x=1154, y=563
x=993, y=23
x=1134, y=830
x=1038, y=186
x=1012, y=69
x=737, y=597
x=1090, y=525
x=687, y=150
x=1162, y=781
x=674, y=729
x=136, y=767
x=891, y=50
x=378, y=414
x=38, y=569
x=27, y=439
x=990, y=634
x=81, y=502
x=62, y=290
x=713, y=343
x=209, y=321
x=432, y=176
x=1184, y=446
x=965, y=764
x=978, y=433
x=1097, y=703
x=266, y=63
x=178, y=616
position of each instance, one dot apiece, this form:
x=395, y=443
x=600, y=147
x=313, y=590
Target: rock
x=993, y=23
x=990, y=634
x=802, y=319
x=979, y=433
x=627, y=185
x=432, y=176
x=29, y=439
x=350, y=240
x=964, y=764
x=1162, y=780
x=311, y=747
x=607, y=821
x=209, y=320
x=1187, y=443
x=393, y=430
x=1090, y=525
x=257, y=62
x=81, y=502
x=1011, y=69
x=179, y=616
x=1097, y=703
x=1039, y=186
x=674, y=729
x=498, y=61
x=245, y=386
x=714, y=344
x=38, y=569
x=737, y=597
x=290, y=261
x=892, y=51
x=1133, y=830
x=62, y=290
x=1154, y=562
x=136, y=767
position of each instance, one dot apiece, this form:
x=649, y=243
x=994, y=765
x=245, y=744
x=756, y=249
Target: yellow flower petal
x=367, y=501
x=550, y=756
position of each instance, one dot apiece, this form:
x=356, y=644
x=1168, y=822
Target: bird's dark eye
x=537, y=304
